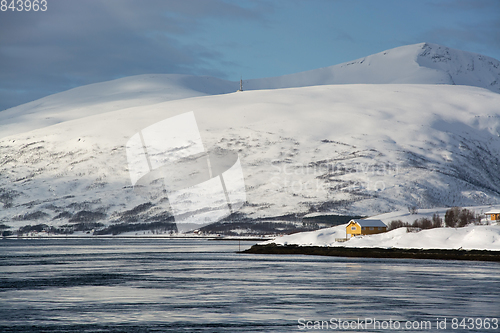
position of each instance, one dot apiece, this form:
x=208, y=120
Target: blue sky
x=76, y=42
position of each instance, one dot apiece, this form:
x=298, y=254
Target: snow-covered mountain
x=357, y=149
x=422, y=63
x=92, y=99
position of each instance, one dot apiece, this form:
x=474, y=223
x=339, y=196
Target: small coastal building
x=365, y=227
x=494, y=216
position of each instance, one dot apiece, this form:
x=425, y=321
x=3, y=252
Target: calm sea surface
x=172, y=285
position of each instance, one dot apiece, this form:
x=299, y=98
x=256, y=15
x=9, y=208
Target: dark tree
x=457, y=217
x=422, y=223
x=437, y=222
x=451, y=217
x=466, y=217
x=396, y=224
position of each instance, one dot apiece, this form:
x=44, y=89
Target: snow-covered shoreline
x=483, y=237
x=472, y=237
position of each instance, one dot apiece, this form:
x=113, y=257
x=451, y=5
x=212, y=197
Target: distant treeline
x=455, y=217
x=95, y=228
x=238, y=225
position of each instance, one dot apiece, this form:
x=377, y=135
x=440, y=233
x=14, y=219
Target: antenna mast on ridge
x=241, y=84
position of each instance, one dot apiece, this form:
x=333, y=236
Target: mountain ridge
x=423, y=63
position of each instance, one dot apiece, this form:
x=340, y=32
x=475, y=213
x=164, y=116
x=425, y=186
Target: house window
x=353, y=228
x=371, y=228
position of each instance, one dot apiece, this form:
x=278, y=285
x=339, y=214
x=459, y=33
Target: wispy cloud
x=80, y=42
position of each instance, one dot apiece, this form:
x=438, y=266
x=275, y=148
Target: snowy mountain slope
x=349, y=149
x=108, y=96
x=422, y=63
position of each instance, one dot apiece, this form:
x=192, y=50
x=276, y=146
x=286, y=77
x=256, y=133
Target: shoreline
x=214, y=238
x=397, y=253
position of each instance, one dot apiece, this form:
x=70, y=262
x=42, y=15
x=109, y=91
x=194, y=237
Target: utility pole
x=241, y=84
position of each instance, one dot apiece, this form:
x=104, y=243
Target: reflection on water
x=134, y=285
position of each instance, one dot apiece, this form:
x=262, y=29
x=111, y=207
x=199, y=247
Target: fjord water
x=186, y=285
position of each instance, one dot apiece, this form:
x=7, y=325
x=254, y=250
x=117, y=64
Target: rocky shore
x=438, y=254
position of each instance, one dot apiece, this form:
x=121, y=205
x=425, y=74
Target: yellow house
x=494, y=215
x=364, y=227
